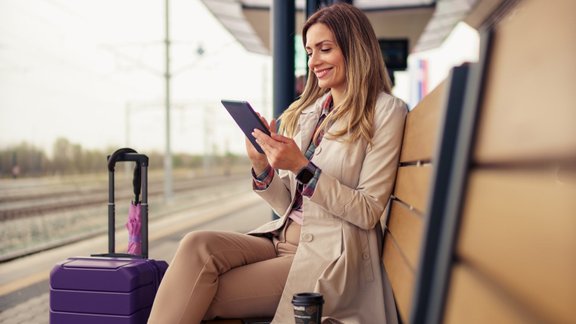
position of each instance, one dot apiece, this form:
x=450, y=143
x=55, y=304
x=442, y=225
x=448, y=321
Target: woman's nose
x=312, y=60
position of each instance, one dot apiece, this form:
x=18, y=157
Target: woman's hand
x=281, y=152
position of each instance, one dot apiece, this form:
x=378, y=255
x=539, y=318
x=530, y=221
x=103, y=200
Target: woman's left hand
x=282, y=152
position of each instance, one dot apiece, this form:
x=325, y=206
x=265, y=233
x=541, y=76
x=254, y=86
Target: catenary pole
x=168, y=154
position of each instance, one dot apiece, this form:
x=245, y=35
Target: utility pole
x=168, y=154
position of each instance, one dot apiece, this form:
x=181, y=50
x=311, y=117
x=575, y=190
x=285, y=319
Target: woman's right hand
x=259, y=160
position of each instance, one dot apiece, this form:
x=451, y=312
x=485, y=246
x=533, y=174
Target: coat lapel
x=307, y=124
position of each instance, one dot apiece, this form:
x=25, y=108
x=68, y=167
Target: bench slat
x=401, y=277
x=413, y=186
x=528, y=108
x=519, y=227
x=406, y=228
x=421, y=129
x=470, y=301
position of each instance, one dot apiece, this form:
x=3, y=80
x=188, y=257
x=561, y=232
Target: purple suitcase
x=110, y=288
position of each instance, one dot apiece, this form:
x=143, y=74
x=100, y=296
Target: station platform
x=24, y=285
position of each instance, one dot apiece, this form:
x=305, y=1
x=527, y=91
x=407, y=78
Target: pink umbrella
x=134, y=226
x=134, y=222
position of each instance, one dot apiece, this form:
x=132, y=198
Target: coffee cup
x=307, y=307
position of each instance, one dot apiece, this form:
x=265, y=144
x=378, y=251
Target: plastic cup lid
x=307, y=298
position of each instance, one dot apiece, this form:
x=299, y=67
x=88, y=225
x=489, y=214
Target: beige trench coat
x=339, y=250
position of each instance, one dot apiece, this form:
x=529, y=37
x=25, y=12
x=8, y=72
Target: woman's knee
x=199, y=241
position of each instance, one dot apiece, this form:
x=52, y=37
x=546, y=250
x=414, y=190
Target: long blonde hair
x=366, y=74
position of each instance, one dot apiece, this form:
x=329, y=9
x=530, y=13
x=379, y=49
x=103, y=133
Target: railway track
x=54, y=216
x=39, y=201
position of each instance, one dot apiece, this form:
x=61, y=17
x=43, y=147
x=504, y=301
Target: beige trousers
x=225, y=274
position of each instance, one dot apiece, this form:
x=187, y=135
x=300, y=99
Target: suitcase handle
x=119, y=155
x=140, y=182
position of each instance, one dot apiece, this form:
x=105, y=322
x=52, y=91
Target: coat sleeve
x=363, y=206
x=278, y=195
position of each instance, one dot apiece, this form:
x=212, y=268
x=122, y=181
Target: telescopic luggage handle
x=140, y=183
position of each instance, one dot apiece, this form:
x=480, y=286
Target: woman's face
x=325, y=58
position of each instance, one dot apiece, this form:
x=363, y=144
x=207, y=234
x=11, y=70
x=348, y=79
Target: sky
x=92, y=71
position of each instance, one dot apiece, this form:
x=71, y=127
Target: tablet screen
x=246, y=118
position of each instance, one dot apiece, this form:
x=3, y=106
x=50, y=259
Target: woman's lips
x=321, y=73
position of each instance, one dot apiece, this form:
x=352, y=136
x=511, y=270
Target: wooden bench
x=508, y=243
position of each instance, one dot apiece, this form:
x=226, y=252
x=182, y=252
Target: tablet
x=246, y=118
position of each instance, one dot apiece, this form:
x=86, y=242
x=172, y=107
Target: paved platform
x=24, y=286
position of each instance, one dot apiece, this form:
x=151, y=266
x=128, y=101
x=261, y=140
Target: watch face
x=305, y=176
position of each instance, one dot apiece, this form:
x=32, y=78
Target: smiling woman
x=328, y=172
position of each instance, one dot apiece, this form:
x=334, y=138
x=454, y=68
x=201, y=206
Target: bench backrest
x=507, y=251
x=515, y=249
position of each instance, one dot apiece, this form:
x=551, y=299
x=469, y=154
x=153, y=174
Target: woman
x=329, y=175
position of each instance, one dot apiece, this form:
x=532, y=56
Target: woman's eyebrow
x=320, y=43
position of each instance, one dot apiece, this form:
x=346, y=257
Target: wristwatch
x=306, y=174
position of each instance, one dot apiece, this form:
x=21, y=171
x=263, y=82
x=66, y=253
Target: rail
x=33, y=224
